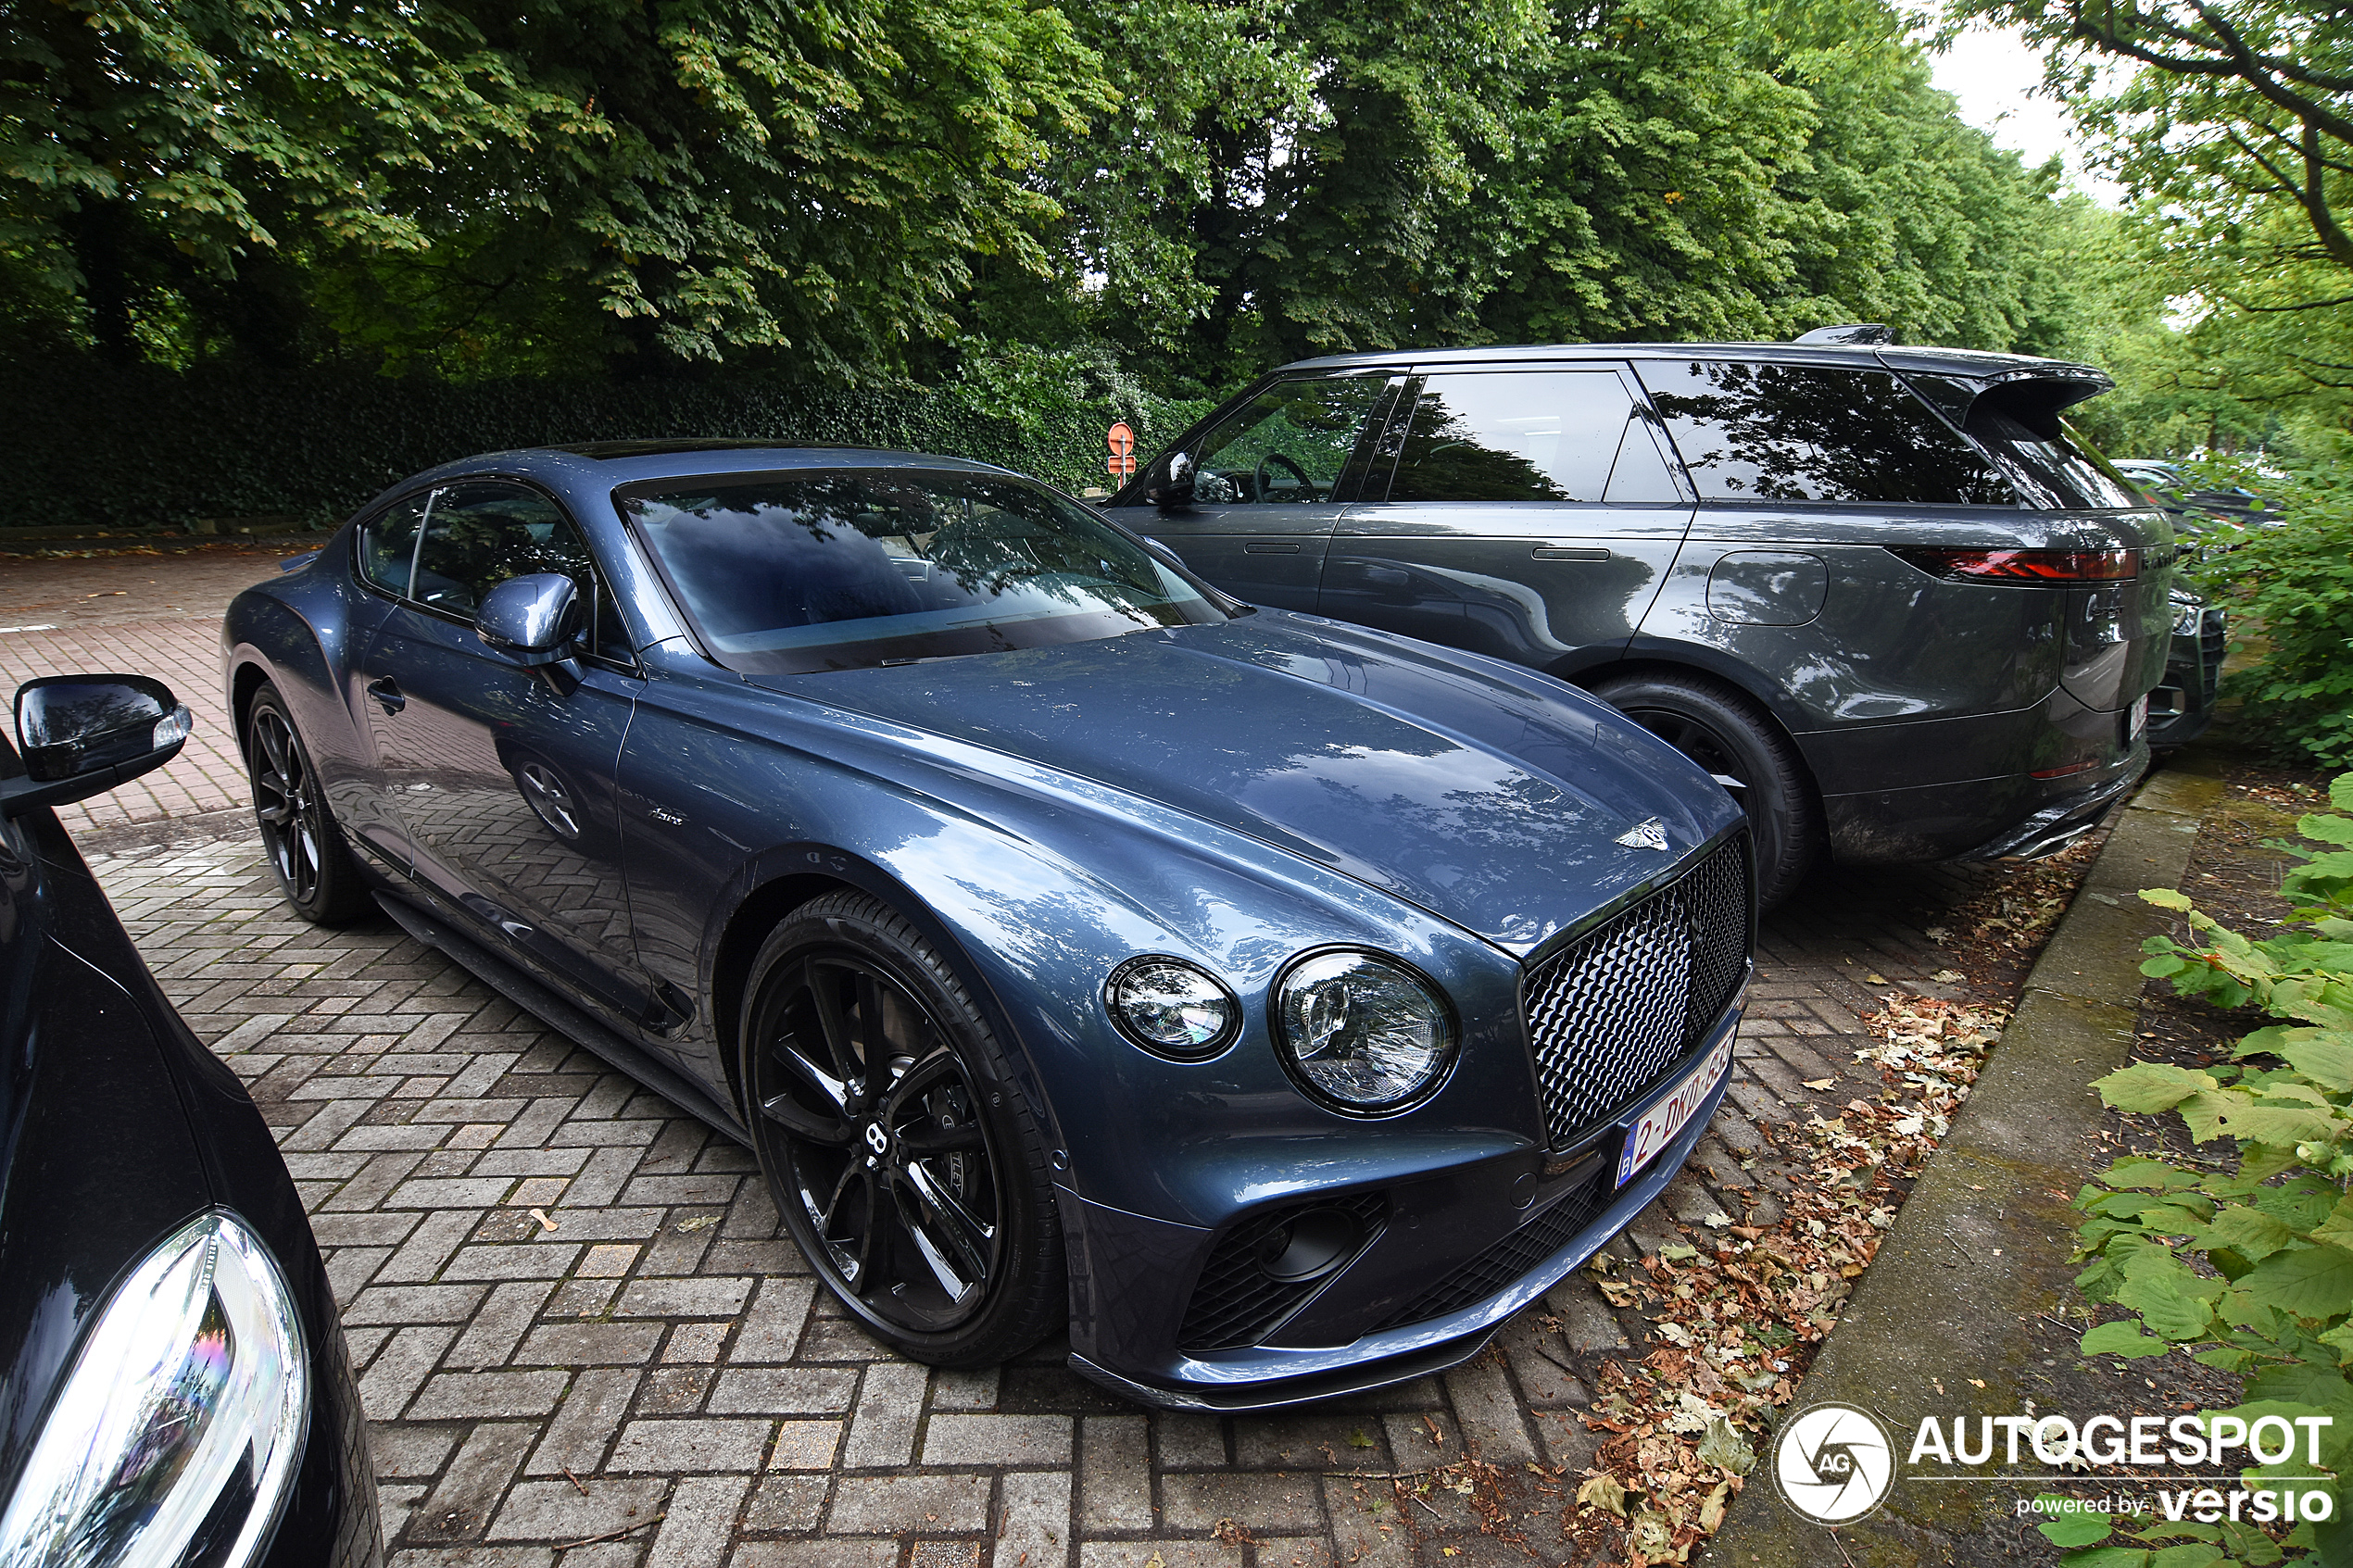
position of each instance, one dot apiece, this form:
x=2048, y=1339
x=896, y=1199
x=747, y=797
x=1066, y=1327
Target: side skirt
x=560, y=1015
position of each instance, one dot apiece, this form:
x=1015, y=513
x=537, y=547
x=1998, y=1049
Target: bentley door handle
x=387, y=692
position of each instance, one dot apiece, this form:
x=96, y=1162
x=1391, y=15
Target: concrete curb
x=1984, y=1239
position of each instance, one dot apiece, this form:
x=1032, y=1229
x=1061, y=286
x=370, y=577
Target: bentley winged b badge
x=1648, y=834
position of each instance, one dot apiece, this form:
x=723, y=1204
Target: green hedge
x=86, y=446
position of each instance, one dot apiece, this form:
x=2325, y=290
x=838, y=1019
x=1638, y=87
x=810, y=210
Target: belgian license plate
x=1666, y=1117
x=2140, y=718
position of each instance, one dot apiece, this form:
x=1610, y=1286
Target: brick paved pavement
x=659, y=1363
x=142, y=615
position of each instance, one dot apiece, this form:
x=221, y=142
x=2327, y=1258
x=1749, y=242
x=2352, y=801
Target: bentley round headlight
x=1172, y=1008
x=1362, y=1032
x=181, y=1422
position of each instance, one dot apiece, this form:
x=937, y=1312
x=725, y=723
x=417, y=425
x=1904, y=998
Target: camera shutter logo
x=1833, y=1464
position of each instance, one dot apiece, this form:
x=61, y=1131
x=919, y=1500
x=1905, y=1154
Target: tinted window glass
x=481, y=534
x=1514, y=435
x=388, y=543
x=1793, y=433
x=1290, y=442
x=2059, y=471
x=841, y=570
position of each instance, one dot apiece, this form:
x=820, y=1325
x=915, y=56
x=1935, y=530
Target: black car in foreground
x=1885, y=594
x=173, y=1385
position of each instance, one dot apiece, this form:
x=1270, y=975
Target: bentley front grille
x=1614, y=1014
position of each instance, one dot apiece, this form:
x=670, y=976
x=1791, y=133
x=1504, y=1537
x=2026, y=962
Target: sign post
x=1122, y=441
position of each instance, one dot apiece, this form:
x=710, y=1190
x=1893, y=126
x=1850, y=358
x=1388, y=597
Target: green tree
x=463, y=185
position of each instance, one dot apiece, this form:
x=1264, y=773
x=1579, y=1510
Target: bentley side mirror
x=1172, y=488
x=529, y=618
x=81, y=735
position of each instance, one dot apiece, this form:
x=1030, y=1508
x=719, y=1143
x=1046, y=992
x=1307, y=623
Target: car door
x=502, y=776
x=1528, y=514
x=357, y=790
x=1270, y=480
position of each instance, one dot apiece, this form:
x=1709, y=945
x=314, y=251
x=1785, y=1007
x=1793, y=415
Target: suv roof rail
x=1852, y=333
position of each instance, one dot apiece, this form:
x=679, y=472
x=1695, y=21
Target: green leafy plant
x=2250, y=1267
x=2291, y=595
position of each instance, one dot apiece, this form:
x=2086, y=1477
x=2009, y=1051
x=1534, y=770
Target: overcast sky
x=1991, y=73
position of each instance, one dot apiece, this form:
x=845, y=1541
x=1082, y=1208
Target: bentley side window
x=388, y=543
x=481, y=534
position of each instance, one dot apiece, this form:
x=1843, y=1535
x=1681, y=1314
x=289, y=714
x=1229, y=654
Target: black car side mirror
x=529, y=618
x=1172, y=488
x=81, y=735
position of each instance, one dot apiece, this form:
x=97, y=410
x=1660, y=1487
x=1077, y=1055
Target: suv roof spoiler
x=2034, y=397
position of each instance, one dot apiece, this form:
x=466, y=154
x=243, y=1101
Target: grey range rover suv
x=1884, y=594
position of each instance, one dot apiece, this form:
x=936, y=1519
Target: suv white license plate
x=2140, y=719
x=1658, y=1127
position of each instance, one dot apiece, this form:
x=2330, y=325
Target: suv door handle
x=387, y=692
x=1569, y=552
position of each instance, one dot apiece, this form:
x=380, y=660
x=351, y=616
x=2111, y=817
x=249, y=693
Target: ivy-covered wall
x=84, y=445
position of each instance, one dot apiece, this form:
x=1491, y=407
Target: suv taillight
x=2026, y=566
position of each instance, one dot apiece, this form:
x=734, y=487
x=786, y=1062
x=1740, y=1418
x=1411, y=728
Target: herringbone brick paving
x=642, y=1371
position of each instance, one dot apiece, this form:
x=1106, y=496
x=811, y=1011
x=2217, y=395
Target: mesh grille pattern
x=1510, y=1258
x=2214, y=637
x=1611, y=1015
x=1234, y=1304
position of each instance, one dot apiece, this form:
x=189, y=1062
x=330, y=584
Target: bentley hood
x=1503, y=802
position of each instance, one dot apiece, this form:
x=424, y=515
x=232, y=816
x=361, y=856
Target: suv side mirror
x=529, y=618
x=83, y=734
x=1172, y=488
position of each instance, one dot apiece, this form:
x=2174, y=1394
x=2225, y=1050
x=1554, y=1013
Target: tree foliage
x=1185, y=191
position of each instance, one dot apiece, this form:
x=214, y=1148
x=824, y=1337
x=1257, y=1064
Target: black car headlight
x=1362, y=1032
x=177, y=1433
x=1172, y=1008
x=2188, y=610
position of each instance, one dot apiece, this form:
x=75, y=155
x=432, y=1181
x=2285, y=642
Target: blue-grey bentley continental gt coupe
x=1282, y=1003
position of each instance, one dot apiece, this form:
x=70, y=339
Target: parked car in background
x=174, y=1384
x=1284, y=1004
x=2183, y=705
x=1882, y=593
x=2213, y=517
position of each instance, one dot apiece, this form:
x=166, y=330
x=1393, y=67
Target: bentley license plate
x=1658, y=1127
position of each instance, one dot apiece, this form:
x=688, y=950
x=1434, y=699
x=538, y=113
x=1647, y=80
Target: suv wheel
x=1725, y=732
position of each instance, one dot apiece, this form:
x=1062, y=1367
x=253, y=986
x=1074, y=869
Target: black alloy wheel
x=897, y=1152
x=306, y=848
x=1725, y=733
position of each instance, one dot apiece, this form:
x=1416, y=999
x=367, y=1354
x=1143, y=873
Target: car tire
x=305, y=847
x=1725, y=732
x=900, y=1153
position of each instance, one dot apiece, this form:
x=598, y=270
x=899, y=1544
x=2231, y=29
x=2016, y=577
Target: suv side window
x=1797, y=433
x=483, y=532
x=388, y=543
x=1527, y=436
x=1290, y=442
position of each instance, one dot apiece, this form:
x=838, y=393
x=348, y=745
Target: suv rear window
x=2053, y=466
x=1797, y=432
